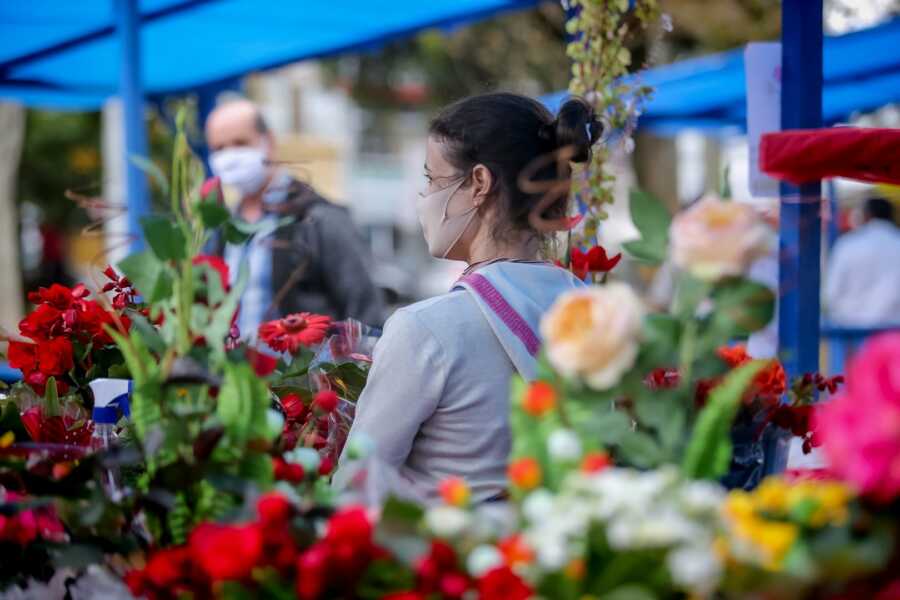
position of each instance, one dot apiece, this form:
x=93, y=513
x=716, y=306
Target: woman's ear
x=482, y=184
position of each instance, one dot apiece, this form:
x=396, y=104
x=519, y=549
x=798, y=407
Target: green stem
x=687, y=350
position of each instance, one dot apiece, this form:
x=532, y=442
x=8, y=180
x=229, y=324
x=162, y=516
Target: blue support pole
x=138, y=197
x=801, y=219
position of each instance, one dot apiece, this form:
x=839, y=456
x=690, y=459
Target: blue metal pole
x=801, y=221
x=127, y=21
x=833, y=210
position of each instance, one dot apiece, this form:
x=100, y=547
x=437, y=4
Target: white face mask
x=243, y=168
x=442, y=232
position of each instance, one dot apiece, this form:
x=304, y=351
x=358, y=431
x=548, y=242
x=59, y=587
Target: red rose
x=226, y=552
x=502, y=584
x=54, y=357
x=326, y=466
x=327, y=400
x=213, y=185
x=22, y=355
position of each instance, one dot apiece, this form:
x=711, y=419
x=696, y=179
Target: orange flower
x=575, y=570
x=525, y=473
x=734, y=356
x=454, y=491
x=515, y=551
x=594, y=462
x=540, y=398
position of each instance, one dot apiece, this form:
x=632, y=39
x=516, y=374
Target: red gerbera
x=594, y=260
x=293, y=331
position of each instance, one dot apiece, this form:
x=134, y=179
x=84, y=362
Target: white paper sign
x=762, y=66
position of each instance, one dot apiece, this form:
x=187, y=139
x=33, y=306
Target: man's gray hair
x=259, y=120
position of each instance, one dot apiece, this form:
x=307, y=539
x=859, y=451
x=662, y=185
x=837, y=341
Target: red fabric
x=799, y=156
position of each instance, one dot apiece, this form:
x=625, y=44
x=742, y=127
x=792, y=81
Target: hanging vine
x=599, y=31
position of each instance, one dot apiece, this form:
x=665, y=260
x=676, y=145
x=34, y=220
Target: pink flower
x=860, y=429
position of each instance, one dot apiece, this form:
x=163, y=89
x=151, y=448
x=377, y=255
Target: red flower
x=38, y=382
x=594, y=260
x=312, y=572
x=662, y=379
x=124, y=292
x=410, y=595
x=263, y=364
x=769, y=384
x=502, y=584
x=167, y=568
x=22, y=356
x=285, y=471
x=56, y=429
x=46, y=321
x=734, y=356
x=293, y=331
x=213, y=185
x=217, y=264
x=54, y=357
x=326, y=466
x=226, y=552
x=293, y=406
x=326, y=400
x=58, y=296
x=274, y=509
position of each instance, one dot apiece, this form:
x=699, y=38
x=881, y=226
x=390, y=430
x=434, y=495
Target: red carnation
x=594, y=260
x=293, y=331
x=226, y=552
x=58, y=296
x=22, y=356
x=44, y=322
x=502, y=584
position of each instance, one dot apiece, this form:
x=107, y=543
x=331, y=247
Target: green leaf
x=742, y=306
x=164, y=238
x=220, y=321
x=212, y=213
x=652, y=219
x=640, y=450
x=610, y=427
x=630, y=592
x=148, y=332
x=11, y=421
x=51, y=398
x=708, y=454
x=242, y=404
x=149, y=276
x=152, y=170
x=666, y=413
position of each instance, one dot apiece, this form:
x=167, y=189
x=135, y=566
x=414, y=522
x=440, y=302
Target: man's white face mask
x=243, y=168
x=442, y=232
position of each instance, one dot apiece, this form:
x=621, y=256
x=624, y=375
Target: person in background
x=863, y=278
x=316, y=262
x=436, y=403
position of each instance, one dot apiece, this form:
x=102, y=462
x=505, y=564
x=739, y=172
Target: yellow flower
x=775, y=539
x=772, y=495
x=7, y=439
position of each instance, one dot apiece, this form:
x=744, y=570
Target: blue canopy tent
x=76, y=55
x=709, y=93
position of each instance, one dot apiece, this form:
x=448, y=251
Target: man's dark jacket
x=319, y=262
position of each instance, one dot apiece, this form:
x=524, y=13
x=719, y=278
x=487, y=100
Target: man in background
x=316, y=262
x=863, y=279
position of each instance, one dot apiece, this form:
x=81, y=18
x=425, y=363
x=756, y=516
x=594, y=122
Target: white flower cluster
x=637, y=510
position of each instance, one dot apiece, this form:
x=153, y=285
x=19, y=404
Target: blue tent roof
x=65, y=54
x=861, y=71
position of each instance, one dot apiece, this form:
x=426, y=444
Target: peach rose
x=594, y=333
x=715, y=239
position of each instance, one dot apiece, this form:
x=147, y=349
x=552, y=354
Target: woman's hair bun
x=576, y=127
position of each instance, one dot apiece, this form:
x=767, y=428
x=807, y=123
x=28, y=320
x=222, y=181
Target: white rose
x=482, y=559
x=715, y=239
x=447, y=521
x=564, y=445
x=594, y=333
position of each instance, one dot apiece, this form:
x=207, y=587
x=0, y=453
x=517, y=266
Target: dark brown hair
x=514, y=135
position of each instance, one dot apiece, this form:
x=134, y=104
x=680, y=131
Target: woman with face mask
x=436, y=403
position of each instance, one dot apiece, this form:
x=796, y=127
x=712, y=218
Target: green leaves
x=164, y=237
x=708, y=454
x=652, y=220
x=212, y=214
x=242, y=404
x=149, y=276
x=742, y=306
